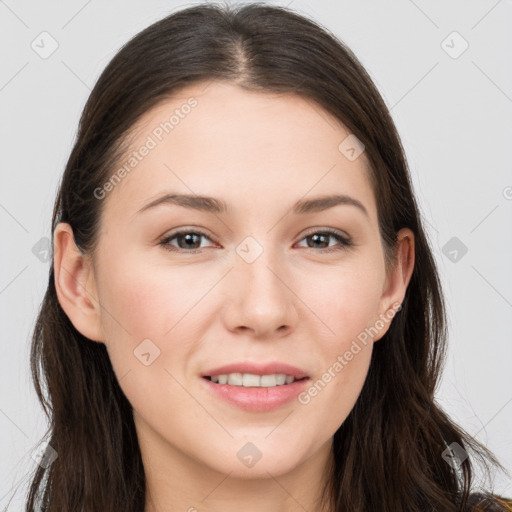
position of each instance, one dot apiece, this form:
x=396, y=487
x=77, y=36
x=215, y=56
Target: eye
x=188, y=240
x=320, y=237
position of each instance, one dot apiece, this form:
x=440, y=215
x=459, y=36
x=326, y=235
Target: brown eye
x=189, y=241
x=186, y=240
x=322, y=238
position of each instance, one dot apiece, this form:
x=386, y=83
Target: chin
x=263, y=469
x=245, y=459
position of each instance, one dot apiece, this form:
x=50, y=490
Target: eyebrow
x=214, y=205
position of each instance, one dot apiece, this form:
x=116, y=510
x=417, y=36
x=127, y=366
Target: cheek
x=346, y=302
x=141, y=303
x=158, y=310
x=336, y=387
x=345, y=299
x=149, y=332
x=146, y=300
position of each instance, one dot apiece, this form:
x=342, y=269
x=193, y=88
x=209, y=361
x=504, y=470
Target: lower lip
x=257, y=399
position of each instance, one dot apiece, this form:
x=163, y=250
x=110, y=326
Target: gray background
x=453, y=111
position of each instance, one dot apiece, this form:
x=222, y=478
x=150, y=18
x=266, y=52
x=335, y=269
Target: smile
x=252, y=380
x=257, y=398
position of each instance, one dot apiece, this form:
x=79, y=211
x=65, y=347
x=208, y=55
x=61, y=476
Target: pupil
x=316, y=237
x=189, y=238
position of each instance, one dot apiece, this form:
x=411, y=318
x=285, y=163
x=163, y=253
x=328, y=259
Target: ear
x=397, y=280
x=74, y=283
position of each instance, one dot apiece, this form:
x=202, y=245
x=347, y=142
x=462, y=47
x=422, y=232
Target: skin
x=294, y=303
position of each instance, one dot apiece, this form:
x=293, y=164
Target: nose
x=262, y=303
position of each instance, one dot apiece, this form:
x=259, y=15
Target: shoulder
x=480, y=502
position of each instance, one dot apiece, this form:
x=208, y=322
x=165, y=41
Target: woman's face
x=259, y=282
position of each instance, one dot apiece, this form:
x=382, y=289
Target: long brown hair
x=389, y=451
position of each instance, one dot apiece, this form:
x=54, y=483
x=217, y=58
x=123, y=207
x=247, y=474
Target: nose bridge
x=258, y=265
x=259, y=286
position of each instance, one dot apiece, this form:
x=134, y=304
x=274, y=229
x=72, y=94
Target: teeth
x=268, y=381
x=235, y=379
x=280, y=379
x=251, y=380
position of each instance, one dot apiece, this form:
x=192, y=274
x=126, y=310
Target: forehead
x=220, y=140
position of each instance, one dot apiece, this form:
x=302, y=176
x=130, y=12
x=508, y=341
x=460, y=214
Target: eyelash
x=345, y=242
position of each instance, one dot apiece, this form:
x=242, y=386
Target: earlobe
x=74, y=284
x=398, y=279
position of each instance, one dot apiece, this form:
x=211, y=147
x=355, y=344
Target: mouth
x=250, y=380
x=251, y=374
x=255, y=388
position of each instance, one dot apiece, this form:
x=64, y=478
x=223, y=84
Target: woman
x=256, y=370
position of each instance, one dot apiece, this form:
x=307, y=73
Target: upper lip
x=257, y=369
